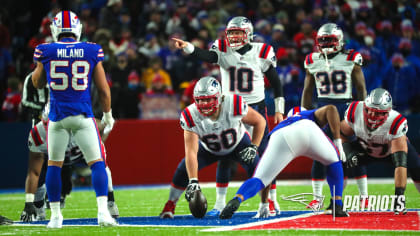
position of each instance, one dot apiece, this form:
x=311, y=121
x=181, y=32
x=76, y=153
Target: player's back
x=69, y=66
x=303, y=115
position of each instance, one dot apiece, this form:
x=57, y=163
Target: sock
x=108, y=173
x=111, y=196
x=55, y=209
x=40, y=193
x=220, y=197
x=53, y=182
x=317, y=185
x=99, y=179
x=362, y=185
x=250, y=187
x=102, y=202
x=335, y=180
x=175, y=193
x=399, y=191
x=273, y=193
x=345, y=182
x=417, y=184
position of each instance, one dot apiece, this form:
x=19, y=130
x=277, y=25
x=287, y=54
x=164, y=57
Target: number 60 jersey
x=69, y=66
x=333, y=81
x=221, y=136
x=377, y=143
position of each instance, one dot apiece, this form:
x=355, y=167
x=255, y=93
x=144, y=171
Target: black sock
x=111, y=196
x=399, y=191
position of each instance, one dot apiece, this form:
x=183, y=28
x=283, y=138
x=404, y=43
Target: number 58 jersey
x=69, y=67
x=219, y=137
x=377, y=143
x=333, y=81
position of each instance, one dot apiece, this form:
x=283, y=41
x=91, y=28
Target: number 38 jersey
x=69, y=68
x=333, y=81
x=221, y=136
x=377, y=143
x=244, y=74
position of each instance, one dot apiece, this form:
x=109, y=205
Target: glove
x=248, y=154
x=337, y=143
x=29, y=213
x=353, y=161
x=191, y=188
x=263, y=211
x=108, y=121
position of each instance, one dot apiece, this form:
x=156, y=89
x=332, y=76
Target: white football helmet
x=376, y=108
x=329, y=38
x=239, y=23
x=66, y=22
x=207, y=88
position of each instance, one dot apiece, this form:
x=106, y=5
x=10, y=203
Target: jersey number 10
x=243, y=78
x=60, y=80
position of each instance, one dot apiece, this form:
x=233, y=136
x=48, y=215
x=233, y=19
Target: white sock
x=317, y=187
x=108, y=172
x=273, y=194
x=174, y=194
x=220, y=197
x=362, y=185
x=102, y=202
x=417, y=184
x=55, y=209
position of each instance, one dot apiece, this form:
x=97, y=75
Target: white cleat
x=113, y=210
x=56, y=222
x=105, y=219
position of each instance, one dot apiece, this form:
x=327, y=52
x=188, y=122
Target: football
x=198, y=204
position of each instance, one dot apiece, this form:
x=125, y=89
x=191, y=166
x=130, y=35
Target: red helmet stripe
x=66, y=19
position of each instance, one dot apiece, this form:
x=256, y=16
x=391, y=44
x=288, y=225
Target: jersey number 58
x=79, y=75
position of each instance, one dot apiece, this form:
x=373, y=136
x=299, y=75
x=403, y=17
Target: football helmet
x=208, y=89
x=239, y=23
x=376, y=108
x=66, y=22
x=295, y=110
x=329, y=38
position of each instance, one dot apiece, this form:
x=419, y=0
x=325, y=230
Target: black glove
x=353, y=161
x=248, y=154
x=191, y=188
x=29, y=213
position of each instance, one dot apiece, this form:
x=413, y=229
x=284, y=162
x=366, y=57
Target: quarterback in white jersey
x=381, y=136
x=214, y=130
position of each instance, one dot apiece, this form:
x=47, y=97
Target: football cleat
x=56, y=222
x=113, y=209
x=105, y=219
x=214, y=212
x=337, y=211
x=229, y=209
x=264, y=210
x=40, y=214
x=168, y=211
x=315, y=205
x=5, y=221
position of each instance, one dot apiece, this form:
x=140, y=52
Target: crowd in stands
x=143, y=66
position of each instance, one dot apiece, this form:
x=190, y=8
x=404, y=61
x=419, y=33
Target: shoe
x=315, y=205
x=168, y=211
x=113, y=209
x=214, y=212
x=400, y=212
x=229, y=209
x=264, y=210
x=40, y=213
x=338, y=211
x=5, y=221
x=105, y=219
x=56, y=222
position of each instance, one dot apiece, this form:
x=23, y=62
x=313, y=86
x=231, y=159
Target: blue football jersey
x=69, y=68
x=308, y=115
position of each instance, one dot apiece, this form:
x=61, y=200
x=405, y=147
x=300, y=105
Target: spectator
x=155, y=68
x=10, y=107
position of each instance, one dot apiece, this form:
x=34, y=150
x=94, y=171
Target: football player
x=333, y=72
x=243, y=65
x=214, y=129
x=380, y=136
x=34, y=186
x=70, y=66
x=298, y=135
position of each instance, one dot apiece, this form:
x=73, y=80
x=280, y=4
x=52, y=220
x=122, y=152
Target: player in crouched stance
x=298, y=135
x=70, y=66
x=214, y=129
x=380, y=136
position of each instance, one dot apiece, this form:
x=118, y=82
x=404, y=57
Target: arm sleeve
x=275, y=82
x=204, y=55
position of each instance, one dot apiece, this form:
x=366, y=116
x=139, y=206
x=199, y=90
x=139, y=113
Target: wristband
x=29, y=197
x=279, y=104
x=189, y=48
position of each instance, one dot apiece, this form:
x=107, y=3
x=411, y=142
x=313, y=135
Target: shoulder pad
x=237, y=105
x=265, y=49
x=186, y=114
x=354, y=56
x=351, y=111
x=308, y=59
x=396, y=124
x=220, y=44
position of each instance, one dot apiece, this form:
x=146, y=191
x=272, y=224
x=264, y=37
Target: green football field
x=150, y=201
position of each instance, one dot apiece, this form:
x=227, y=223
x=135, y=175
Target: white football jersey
x=244, y=74
x=377, y=143
x=333, y=81
x=221, y=136
x=37, y=142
